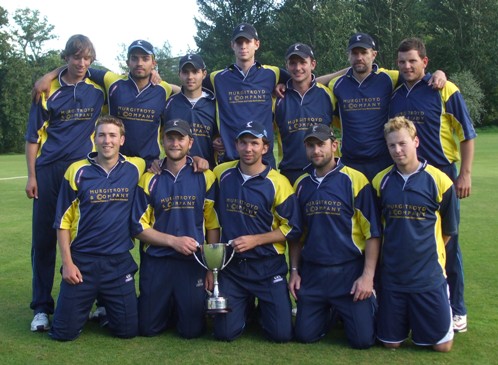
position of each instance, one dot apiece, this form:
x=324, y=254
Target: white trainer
x=98, y=313
x=460, y=323
x=40, y=323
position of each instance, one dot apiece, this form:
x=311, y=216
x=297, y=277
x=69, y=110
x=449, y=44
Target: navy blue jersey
x=63, y=124
x=294, y=114
x=362, y=110
x=439, y=115
x=202, y=119
x=416, y=213
x=261, y=204
x=339, y=215
x=95, y=205
x=140, y=111
x=181, y=205
x=243, y=98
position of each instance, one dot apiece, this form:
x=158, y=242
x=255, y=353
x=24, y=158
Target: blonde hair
x=109, y=119
x=397, y=123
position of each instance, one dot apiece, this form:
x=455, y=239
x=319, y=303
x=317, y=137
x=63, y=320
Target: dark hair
x=78, y=44
x=410, y=44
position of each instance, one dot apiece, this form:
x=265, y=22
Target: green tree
x=472, y=93
x=217, y=20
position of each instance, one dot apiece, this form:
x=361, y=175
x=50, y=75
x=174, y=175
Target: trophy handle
x=231, y=256
x=199, y=261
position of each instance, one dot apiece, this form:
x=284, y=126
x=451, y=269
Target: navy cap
x=362, y=40
x=320, y=131
x=194, y=59
x=300, y=49
x=178, y=125
x=254, y=128
x=143, y=45
x=245, y=30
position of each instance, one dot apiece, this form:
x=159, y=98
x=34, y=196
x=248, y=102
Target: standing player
x=440, y=115
x=333, y=266
x=171, y=214
x=244, y=92
x=361, y=104
x=258, y=212
x=59, y=132
x=196, y=105
x=92, y=221
x=419, y=212
x=306, y=103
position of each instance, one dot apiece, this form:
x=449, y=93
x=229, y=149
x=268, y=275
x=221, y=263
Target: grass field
x=479, y=230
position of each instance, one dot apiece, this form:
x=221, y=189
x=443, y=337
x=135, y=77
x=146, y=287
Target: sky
x=115, y=23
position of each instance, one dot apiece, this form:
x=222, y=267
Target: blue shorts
x=171, y=286
x=427, y=315
x=328, y=287
x=110, y=278
x=265, y=279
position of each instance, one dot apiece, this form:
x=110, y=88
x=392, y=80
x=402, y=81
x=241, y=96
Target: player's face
x=176, y=145
x=300, y=68
x=78, y=64
x=108, y=140
x=321, y=153
x=191, y=78
x=250, y=149
x=140, y=64
x=412, y=66
x=362, y=59
x=403, y=150
x=245, y=49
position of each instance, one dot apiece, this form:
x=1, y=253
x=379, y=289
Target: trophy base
x=217, y=305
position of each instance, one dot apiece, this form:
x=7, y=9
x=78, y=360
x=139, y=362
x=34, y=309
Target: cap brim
x=321, y=136
x=243, y=35
x=177, y=129
x=252, y=133
x=300, y=54
x=195, y=64
x=359, y=45
x=140, y=47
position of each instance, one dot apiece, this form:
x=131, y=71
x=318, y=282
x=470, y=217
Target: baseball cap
x=178, y=125
x=300, y=49
x=143, y=45
x=245, y=30
x=362, y=40
x=320, y=131
x=254, y=128
x=194, y=59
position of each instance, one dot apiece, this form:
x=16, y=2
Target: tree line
x=461, y=38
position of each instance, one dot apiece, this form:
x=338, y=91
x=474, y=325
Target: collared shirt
x=202, y=120
x=181, y=205
x=63, y=124
x=438, y=116
x=294, y=114
x=95, y=205
x=416, y=213
x=261, y=204
x=361, y=110
x=339, y=215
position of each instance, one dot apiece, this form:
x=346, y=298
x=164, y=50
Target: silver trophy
x=213, y=258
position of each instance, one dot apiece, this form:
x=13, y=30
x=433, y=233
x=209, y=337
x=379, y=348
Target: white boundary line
x=13, y=178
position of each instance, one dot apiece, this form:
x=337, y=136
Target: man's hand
x=200, y=164
x=184, y=245
x=362, y=288
x=218, y=145
x=463, y=186
x=41, y=86
x=438, y=80
x=294, y=283
x=32, y=188
x=209, y=282
x=279, y=91
x=244, y=243
x=71, y=274
x=155, y=167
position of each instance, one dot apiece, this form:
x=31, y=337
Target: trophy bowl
x=213, y=257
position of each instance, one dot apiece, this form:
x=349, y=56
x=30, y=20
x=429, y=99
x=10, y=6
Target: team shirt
x=260, y=204
x=181, y=205
x=140, y=110
x=202, y=119
x=63, y=124
x=294, y=114
x=339, y=215
x=242, y=98
x=361, y=110
x=438, y=115
x=95, y=205
x=416, y=213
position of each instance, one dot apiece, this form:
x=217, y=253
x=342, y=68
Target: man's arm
x=463, y=183
x=245, y=243
x=70, y=272
x=42, y=85
x=295, y=247
x=325, y=79
x=183, y=244
x=363, y=286
x=32, y=184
